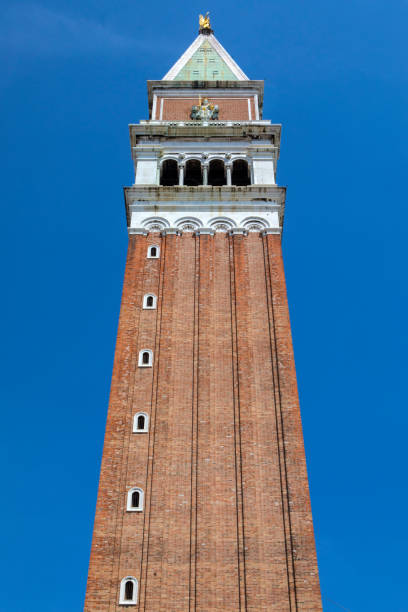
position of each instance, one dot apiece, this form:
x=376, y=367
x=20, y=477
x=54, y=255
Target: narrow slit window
x=135, y=499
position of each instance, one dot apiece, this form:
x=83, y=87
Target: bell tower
x=203, y=501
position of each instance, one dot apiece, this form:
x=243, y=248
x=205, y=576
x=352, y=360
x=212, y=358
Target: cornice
x=260, y=194
x=237, y=130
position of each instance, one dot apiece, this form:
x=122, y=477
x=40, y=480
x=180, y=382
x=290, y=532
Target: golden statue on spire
x=204, y=21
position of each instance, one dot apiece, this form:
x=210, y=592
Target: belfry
x=203, y=500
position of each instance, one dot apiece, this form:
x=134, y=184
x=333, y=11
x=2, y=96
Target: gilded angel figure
x=204, y=21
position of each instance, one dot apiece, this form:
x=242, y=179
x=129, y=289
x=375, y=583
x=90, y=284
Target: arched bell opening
x=216, y=174
x=240, y=173
x=193, y=174
x=169, y=174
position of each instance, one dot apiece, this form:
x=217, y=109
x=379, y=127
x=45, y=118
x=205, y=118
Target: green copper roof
x=205, y=65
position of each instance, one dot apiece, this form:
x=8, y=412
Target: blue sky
x=73, y=76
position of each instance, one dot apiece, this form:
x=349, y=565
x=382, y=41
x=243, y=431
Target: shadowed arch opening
x=240, y=173
x=169, y=174
x=216, y=174
x=193, y=174
x=135, y=499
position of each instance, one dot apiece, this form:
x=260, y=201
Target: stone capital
x=204, y=231
x=238, y=231
x=171, y=231
x=271, y=230
x=137, y=231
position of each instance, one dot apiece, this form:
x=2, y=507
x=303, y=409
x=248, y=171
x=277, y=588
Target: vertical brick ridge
x=101, y=581
x=306, y=579
x=279, y=436
x=152, y=432
x=203, y=530
x=237, y=430
x=194, y=432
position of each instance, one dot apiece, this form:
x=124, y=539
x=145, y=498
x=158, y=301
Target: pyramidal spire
x=205, y=60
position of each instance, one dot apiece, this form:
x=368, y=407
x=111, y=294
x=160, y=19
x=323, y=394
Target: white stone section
x=146, y=172
x=136, y=428
x=263, y=170
x=129, y=506
x=216, y=45
x=122, y=594
x=196, y=215
x=261, y=158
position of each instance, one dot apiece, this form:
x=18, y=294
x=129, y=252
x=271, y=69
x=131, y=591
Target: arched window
x=193, y=173
x=140, y=423
x=169, y=174
x=153, y=251
x=128, y=591
x=240, y=173
x=145, y=358
x=135, y=500
x=149, y=301
x=216, y=174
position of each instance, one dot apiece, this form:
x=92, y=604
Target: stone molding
x=238, y=231
x=205, y=231
x=271, y=230
x=171, y=231
x=217, y=228
x=139, y=231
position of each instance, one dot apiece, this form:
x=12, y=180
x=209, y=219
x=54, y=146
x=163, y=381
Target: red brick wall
x=227, y=522
x=233, y=109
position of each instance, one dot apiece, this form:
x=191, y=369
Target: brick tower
x=203, y=500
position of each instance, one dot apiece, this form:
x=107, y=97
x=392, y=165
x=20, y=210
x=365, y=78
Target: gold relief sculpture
x=204, y=21
x=204, y=111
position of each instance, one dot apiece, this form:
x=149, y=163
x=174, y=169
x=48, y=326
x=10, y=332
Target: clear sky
x=73, y=76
